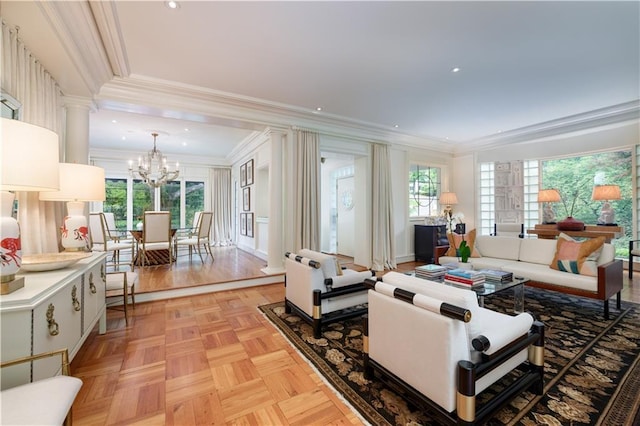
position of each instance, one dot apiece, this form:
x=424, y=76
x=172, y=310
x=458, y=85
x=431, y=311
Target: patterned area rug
x=592, y=366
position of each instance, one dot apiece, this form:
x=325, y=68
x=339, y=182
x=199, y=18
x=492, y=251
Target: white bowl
x=51, y=261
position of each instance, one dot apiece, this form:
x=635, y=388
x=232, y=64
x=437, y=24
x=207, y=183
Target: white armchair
x=452, y=349
x=320, y=291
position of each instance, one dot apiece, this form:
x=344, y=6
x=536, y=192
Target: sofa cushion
x=537, y=250
x=456, y=239
x=499, y=247
x=577, y=257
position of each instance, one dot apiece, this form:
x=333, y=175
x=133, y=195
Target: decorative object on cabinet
x=51, y=261
x=29, y=162
x=153, y=169
x=606, y=193
x=430, y=242
x=78, y=183
x=250, y=225
x=249, y=165
x=54, y=395
x=246, y=199
x=548, y=196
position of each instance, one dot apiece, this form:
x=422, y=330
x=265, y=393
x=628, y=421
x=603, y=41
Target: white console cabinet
x=54, y=310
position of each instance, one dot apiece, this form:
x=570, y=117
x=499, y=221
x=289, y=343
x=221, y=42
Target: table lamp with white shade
x=29, y=163
x=548, y=196
x=78, y=183
x=606, y=193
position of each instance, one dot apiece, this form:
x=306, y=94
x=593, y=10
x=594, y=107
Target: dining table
x=154, y=257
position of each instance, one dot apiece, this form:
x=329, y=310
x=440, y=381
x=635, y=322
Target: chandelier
x=152, y=169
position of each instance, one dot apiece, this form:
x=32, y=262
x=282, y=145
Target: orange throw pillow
x=572, y=256
x=456, y=239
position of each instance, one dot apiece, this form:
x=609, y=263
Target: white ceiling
x=373, y=63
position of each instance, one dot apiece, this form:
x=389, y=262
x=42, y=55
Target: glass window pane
x=142, y=199
x=170, y=201
x=193, y=201
x=116, y=200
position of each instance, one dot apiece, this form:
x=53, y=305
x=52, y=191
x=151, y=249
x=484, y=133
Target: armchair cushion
x=329, y=264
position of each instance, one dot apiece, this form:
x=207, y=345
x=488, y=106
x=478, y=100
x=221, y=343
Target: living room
x=267, y=133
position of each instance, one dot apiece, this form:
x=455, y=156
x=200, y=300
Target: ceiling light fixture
x=455, y=69
x=319, y=109
x=153, y=168
x=172, y=4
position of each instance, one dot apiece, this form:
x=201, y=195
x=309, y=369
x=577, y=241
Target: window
x=193, y=201
x=143, y=199
x=424, y=190
x=116, y=201
x=487, y=198
x=170, y=201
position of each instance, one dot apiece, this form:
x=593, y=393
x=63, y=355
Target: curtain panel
x=222, y=209
x=24, y=78
x=307, y=183
x=383, y=233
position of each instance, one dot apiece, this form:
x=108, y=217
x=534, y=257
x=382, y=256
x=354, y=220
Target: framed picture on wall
x=243, y=175
x=249, y=172
x=249, y=224
x=246, y=199
x=243, y=224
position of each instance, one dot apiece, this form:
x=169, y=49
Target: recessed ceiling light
x=319, y=109
x=124, y=138
x=456, y=69
x=172, y=4
x=396, y=126
x=114, y=121
x=186, y=129
x=184, y=144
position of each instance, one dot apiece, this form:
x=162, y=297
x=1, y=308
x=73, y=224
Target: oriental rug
x=592, y=366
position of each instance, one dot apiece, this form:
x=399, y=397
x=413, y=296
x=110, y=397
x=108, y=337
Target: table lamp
x=606, y=193
x=78, y=183
x=548, y=196
x=29, y=163
x=448, y=199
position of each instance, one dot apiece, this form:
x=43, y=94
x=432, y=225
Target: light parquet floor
x=206, y=359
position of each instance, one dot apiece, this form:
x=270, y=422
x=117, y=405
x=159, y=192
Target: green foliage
x=574, y=178
x=464, y=251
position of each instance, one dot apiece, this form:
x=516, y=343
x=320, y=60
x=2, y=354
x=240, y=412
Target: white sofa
x=442, y=349
x=531, y=257
x=320, y=291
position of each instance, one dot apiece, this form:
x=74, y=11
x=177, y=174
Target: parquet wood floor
x=206, y=359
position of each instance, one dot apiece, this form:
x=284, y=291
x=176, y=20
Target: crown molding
x=138, y=93
x=75, y=27
x=106, y=19
x=591, y=120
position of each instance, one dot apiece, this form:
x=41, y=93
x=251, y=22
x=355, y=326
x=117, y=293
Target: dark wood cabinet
x=430, y=242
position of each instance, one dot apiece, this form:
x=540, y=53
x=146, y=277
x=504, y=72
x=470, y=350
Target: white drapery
x=383, y=235
x=307, y=184
x=221, y=201
x=24, y=78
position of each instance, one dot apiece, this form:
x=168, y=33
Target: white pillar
x=76, y=140
x=275, y=253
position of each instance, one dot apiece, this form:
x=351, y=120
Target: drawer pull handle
x=92, y=286
x=74, y=299
x=54, y=329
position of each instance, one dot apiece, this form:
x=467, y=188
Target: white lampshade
x=448, y=198
x=548, y=196
x=29, y=157
x=78, y=182
x=605, y=193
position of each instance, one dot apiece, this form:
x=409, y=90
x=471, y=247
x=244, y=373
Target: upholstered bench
x=320, y=291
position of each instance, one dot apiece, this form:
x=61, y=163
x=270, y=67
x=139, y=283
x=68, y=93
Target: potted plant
x=464, y=251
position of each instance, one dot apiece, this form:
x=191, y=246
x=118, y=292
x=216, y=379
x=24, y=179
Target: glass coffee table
x=492, y=287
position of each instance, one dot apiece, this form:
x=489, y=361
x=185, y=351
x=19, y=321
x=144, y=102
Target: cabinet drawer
x=57, y=324
x=93, y=296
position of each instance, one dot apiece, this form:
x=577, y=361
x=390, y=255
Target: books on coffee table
x=430, y=271
x=464, y=277
x=497, y=275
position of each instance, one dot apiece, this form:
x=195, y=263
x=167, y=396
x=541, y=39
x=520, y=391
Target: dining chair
x=121, y=279
x=112, y=230
x=200, y=238
x=156, y=235
x=101, y=240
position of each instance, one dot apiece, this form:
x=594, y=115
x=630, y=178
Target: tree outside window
x=193, y=201
x=170, y=201
x=116, y=200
